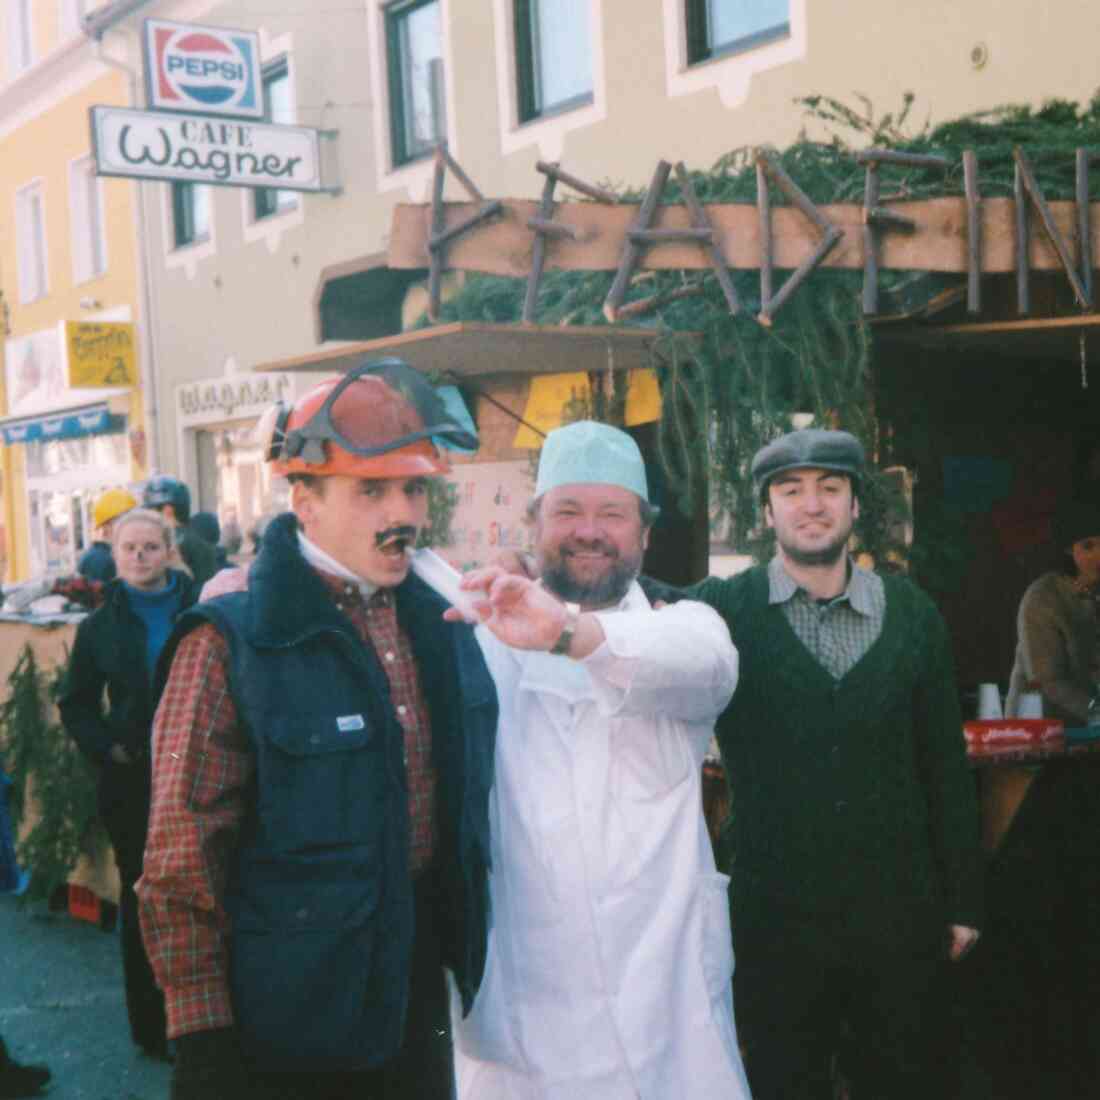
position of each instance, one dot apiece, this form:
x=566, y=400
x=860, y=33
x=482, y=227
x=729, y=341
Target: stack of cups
x=989, y=702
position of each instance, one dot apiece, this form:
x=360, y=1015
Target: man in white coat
x=609, y=966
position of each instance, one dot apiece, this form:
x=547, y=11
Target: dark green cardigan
x=851, y=798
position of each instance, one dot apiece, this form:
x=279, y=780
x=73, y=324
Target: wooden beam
x=939, y=243
x=907, y=160
x=870, y=241
x=631, y=251
x=699, y=220
x=973, y=233
x=1084, y=252
x=553, y=172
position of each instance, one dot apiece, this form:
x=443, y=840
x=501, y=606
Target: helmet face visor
x=372, y=410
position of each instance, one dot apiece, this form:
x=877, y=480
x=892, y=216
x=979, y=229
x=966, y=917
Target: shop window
x=279, y=109
x=86, y=206
x=553, y=56
x=30, y=222
x=20, y=36
x=414, y=54
x=190, y=213
x=718, y=27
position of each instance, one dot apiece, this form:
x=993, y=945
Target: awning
x=474, y=349
x=94, y=419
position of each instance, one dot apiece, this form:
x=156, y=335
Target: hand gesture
x=520, y=612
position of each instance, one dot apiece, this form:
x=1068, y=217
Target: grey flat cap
x=810, y=448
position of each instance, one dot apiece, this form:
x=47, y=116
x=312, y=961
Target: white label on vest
x=348, y=722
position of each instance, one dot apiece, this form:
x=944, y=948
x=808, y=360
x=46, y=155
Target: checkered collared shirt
x=838, y=632
x=202, y=768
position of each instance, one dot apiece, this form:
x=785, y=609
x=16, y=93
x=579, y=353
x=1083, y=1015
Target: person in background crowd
x=172, y=499
x=322, y=761
x=96, y=563
x=609, y=966
x=18, y=1080
x=231, y=541
x=206, y=526
x=1057, y=622
x=116, y=649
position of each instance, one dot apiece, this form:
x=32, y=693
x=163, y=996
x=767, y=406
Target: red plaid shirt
x=202, y=766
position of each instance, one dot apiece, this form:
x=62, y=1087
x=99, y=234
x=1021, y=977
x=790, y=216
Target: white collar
x=319, y=559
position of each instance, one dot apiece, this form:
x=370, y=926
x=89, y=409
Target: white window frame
x=69, y=16
x=31, y=243
x=185, y=256
x=549, y=131
x=729, y=74
x=86, y=218
x=20, y=32
x=416, y=175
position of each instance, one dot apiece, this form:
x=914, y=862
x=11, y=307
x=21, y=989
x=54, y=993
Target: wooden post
x=631, y=249
x=435, y=255
x=700, y=220
x=870, y=241
x=973, y=233
x=1046, y=219
x=907, y=160
x=1084, y=239
x=764, y=211
x=597, y=193
x=1023, y=290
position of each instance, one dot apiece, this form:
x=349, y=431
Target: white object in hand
x=989, y=702
x=439, y=575
x=1029, y=705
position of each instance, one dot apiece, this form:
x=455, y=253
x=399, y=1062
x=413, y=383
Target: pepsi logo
x=203, y=69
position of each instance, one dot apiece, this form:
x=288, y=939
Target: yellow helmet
x=111, y=504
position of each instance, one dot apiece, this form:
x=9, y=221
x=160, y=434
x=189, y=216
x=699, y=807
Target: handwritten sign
x=100, y=354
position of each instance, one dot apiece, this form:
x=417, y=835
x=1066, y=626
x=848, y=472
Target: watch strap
x=565, y=638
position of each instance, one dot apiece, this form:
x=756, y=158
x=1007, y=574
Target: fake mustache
x=403, y=535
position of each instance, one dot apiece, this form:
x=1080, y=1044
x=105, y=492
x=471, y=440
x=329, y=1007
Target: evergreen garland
x=46, y=768
x=736, y=386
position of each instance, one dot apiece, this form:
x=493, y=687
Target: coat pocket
x=320, y=785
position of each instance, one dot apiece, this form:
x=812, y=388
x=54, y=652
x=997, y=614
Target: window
x=86, y=204
x=190, y=213
x=30, y=221
x=716, y=27
x=279, y=109
x=414, y=47
x=72, y=12
x=553, y=56
x=20, y=42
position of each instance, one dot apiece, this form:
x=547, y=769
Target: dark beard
x=610, y=589
x=827, y=555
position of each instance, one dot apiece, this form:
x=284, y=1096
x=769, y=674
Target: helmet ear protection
x=271, y=431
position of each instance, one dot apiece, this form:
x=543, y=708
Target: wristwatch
x=565, y=638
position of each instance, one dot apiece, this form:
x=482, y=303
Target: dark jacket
x=97, y=563
x=851, y=798
x=198, y=555
x=319, y=890
x=109, y=651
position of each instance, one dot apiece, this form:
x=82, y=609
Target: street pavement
x=62, y=1004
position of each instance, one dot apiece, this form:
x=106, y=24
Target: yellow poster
x=100, y=353
x=643, y=398
x=547, y=400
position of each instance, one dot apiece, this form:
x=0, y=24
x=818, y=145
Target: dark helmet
x=162, y=490
x=206, y=526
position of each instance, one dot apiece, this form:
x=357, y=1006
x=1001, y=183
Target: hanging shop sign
x=200, y=149
x=100, y=353
x=69, y=425
x=206, y=70
x=233, y=397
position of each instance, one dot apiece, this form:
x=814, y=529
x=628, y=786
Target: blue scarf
x=157, y=610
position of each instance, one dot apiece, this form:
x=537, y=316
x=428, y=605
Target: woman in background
x=116, y=649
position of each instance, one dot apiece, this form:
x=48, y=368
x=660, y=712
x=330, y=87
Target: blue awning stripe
x=71, y=425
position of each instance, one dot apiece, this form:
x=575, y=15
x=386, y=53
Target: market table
x=1005, y=774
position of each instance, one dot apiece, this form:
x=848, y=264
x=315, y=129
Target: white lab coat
x=609, y=965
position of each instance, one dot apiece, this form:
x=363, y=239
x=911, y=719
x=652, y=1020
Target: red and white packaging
x=987, y=733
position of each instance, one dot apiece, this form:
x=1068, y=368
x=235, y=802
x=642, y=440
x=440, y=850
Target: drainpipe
x=95, y=26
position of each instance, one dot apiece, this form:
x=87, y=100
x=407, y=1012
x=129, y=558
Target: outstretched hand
x=520, y=612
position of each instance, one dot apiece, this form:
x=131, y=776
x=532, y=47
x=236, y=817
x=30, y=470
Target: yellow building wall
x=43, y=149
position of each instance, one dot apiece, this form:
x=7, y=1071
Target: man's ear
x=855, y=507
x=768, y=514
x=302, y=501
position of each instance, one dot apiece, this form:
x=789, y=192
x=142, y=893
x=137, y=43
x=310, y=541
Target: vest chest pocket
x=321, y=781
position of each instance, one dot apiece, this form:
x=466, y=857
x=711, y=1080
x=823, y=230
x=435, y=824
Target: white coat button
x=402, y=710
x=390, y=656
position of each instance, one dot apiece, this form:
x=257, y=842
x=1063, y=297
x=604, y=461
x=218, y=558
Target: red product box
x=987, y=733
x=83, y=904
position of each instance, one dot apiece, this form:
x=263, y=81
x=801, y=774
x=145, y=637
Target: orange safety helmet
x=376, y=421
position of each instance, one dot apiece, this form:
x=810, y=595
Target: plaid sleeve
x=202, y=765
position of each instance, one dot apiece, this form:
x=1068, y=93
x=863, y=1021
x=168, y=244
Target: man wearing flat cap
x=856, y=866
x=609, y=961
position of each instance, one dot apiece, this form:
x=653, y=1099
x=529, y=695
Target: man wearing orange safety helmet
x=322, y=760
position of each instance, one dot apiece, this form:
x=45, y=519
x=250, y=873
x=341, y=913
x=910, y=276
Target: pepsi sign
x=207, y=70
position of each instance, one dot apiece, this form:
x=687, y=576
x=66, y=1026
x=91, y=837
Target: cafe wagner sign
x=203, y=149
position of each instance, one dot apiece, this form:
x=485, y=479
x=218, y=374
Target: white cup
x=989, y=702
x=1029, y=705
